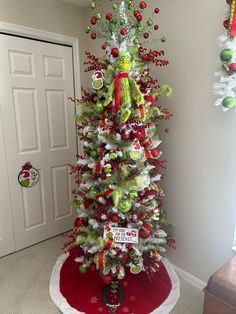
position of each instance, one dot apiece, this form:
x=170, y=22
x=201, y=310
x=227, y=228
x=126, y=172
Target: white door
x=36, y=78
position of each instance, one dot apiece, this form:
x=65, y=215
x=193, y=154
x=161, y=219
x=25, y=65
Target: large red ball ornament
x=109, y=16
x=145, y=35
x=144, y=234
x=123, y=31
x=156, y=27
x=93, y=20
x=142, y=5
x=232, y=67
x=107, y=279
x=93, y=36
x=157, y=10
x=114, y=218
x=115, y=52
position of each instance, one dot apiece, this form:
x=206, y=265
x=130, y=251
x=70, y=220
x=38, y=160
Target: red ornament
x=93, y=36
x=102, y=124
x=157, y=10
x=104, y=46
x=155, y=152
x=142, y=5
x=150, y=99
x=87, y=202
x=136, y=13
x=156, y=27
x=145, y=35
x=115, y=52
x=107, y=279
x=103, y=176
x=125, y=136
x=226, y=24
x=144, y=234
x=92, y=267
x=78, y=222
x=93, y=20
x=109, y=16
x=123, y=31
x=114, y=218
x=233, y=67
x=139, y=18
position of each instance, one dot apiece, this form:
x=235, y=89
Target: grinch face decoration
x=28, y=176
x=124, y=64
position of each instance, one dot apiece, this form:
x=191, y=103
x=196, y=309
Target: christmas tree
x=120, y=224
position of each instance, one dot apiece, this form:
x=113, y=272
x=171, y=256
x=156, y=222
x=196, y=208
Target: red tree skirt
x=74, y=293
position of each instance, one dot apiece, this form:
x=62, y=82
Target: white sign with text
x=122, y=235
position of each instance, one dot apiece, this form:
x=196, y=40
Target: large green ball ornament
x=139, y=29
x=114, y=6
x=93, y=153
x=99, y=108
x=130, y=6
x=124, y=205
x=163, y=40
x=98, y=16
x=229, y=102
x=92, y=5
x=82, y=269
x=136, y=41
x=226, y=55
x=149, y=22
x=88, y=29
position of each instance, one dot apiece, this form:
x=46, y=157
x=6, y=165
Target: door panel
x=38, y=123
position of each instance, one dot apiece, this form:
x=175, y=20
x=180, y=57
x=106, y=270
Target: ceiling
x=81, y=3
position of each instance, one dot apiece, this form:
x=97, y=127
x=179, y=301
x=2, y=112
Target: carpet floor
x=25, y=276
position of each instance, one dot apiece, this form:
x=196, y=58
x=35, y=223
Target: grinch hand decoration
x=125, y=87
x=118, y=176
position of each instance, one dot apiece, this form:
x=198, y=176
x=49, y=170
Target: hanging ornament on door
x=28, y=176
x=225, y=88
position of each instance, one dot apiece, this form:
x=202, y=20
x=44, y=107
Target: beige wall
x=201, y=177
x=49, y=15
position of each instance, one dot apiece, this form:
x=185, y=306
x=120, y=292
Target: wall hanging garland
x=225, y=88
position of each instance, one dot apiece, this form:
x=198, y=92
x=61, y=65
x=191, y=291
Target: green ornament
x=93, y=192
x=130, y=6
x=99, y=108
x=149, y=22
x=88, y=29
x=229, y=102
x=114, y=21
x=82, y=269
x=162, y=241
x=93, y=153
x=98, y=16
x=133, y=195
x=163, y=39
x=226, y=55
x=139, y=29
x=92, y=5
x=122, y=22
x=114, y=6
x=113, y=155
x=124, y=205
x=136, y=41
x=107, y=169
x=120, y=276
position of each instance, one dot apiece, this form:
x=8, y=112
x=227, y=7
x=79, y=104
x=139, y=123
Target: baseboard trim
x=190, y=278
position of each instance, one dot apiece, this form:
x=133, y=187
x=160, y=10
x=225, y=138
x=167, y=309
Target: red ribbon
x=147, y=153
x=101, y=259
x=109, y=244
x=147, y=143
x=146, y=226
x=117, y=86
x=232, y=31
x=98, y=167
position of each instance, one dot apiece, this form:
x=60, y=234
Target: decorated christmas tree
x=121, y=222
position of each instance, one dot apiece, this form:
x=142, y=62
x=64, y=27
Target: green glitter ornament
x=226, y=55
x=229, y=102
x=163, y=40
x=150, y=22
x=92, y=5
x=98, y=15
x=88, y=29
